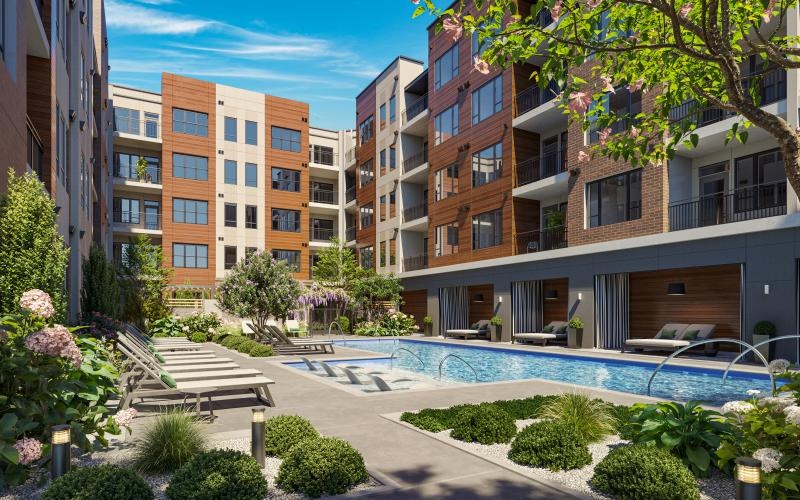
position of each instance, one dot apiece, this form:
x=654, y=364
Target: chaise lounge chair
x=281, y=341
x=673, y=336
x=479, y=329
x=554, y=331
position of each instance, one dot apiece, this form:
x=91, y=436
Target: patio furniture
x=309, y=364
x=328, y=369
x=283, y=341
x=673, y=336
x=553, y=331
x=479, y=329
x=295, y=329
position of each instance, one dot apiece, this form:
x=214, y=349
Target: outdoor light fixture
x=766, y=289
x=551, y=295
x=676, y=289
x=478, y=297
x=500, y=299
x=748, y=479
x=580, y=296
x=257, y=435
x=60, y=440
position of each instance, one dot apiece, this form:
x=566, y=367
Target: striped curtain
x=453, y=309
x=526, y=306
x=611, y=293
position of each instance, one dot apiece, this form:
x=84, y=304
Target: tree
x=100, y=291
x=374, y=288
x=32, y=253
x=337, y=266
x=258, y=288
x=717, y=53
x=145, y=279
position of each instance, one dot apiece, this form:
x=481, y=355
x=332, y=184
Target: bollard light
x=257, y=449
x=748, y=478
x=60, y=439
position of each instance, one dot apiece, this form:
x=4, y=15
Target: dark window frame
x=287, y=139
x=231, y=222
x=194, y=168
x=497, y=171
x=497, y=229
x=283, y=223
x=283, y=184
x=495, y=87
x=187, y=206
x=449, y=56
x=184, y=255
x=251, y=217
x=191, y=122
x=631, y=210
x=251, y=133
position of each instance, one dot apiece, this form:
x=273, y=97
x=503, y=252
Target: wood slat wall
x=481, y=310
x=556, y=310
x=365, y=107
x=415, y=302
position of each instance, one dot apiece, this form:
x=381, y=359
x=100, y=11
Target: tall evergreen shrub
x=100, y=292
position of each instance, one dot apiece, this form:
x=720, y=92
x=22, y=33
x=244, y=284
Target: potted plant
x=141, y=170
x=427, y=323
x=575, y=338
x=496, y=324
x=763, y=331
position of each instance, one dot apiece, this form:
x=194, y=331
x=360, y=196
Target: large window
x=189, y=122
x=322, y=154
x=760, y=181
x=487, y=229
x=127, y=211
x=366, y=173
x=446, y=67
x=126, y=120
x=251, y=217
x=190, y=255
x=366, y=257
x=487, y=100
x=125, y=167
x=284, y=179
x=230, y=129
x=446, y=239
x=392, y=109
x=286, y=139
x=251, y=133
x=230, y=257
x=230, y=215
x=291, y=257
x=615, y=199
x=3, y=16
x=446, y=182
x=622, y=104
x=446, y=124
x=190, y=167
x=251, y=175
x=366, y=130
x=285, y=220
x=230, y=172
x=189, y=211
x=382, y=115
x=392, y=157
x=366, y=213
x=487, y=165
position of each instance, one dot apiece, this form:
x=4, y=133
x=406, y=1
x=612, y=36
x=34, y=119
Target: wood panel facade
x=481, y=303
x=365, y=153
x=555, y=310
x=415, y=302
x=13, y=94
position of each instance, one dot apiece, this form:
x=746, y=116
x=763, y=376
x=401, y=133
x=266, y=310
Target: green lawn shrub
x=551, y=445
x=169, y=442
x=484, y=424
x=321, y=466
x=216, y=475
x=285, y=431
x=103, y=482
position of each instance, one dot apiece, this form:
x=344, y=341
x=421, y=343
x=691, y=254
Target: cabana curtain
x=453, y=309
x=526, y=306
x=611, y=293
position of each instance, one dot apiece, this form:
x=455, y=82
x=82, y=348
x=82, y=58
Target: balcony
x=415, y=263
x=151, y=175
x=533, y=97
x=321, y=157
x=321, y=234
x=541, y=167
x=149, y=129
x=350, y=156
x=415, y=108
x=326, y=196
x=750, y=203
x=541, y=240
x=350, y=233
x=415, y=160
x=415, y=212
x=350, y=194
x=136, y=222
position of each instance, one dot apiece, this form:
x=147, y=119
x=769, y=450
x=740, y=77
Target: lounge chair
x=295, y=328
x=309, y=364
x=282, y=341
x=553, y=331
x=479, y=329
x=673, y=336
x=328, y=369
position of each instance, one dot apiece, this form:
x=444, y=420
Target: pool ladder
x=451, y=355
x=391, y=358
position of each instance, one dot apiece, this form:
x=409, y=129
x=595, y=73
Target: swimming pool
x=498, y=364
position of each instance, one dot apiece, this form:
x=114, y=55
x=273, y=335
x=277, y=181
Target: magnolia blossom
x=685, y=10
x=737, y=407
x=555, y=11
x=29, y=450
x=792, y=414
x=38, y=302
x=770, y=459
x=767, y=15
x=593, y=3
x=583, y=157
x=125, y=417
x=603, y=135
x=634, y=132
x=633, y=87
x=453, y=26
x=55, y=341
x=779, y=365
x=481, y=66
x=415, y=2
x=607, y=86
x=579, y=102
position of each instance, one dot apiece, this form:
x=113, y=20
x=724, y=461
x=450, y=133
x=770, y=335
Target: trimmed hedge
x=484, y=424
x=218, y=474
x=199, y=337
x=321, y=466
x=232, y=341
x=103, y=482
x=284, y=431
x=552, y=445
x=641, y=472
x=261, y=351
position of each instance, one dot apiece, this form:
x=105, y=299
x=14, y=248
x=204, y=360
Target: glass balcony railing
x=144, y=128
x=152, y=174
x=417, y=159
x=138, y=220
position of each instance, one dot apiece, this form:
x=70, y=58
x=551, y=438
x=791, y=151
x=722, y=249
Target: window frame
x=287, y=182
x=496, y=87
x=176, y=155
x=393, y=109
x=183, y=205
x=251, y=216
x=251, y=133
x=184, y=255
x=366, y=213
x=228, y=221
x=290, y=139
x=230, y=135
x=497, y=171
x=451, y=56
x=231, y=174
x=439, y=182
x=497, y=223
x=196, y=120
x=229, y=264
x=629, y=208
x=282, y=254
x=438, y=133
x=369, y=164
x=445, y=231
x=250, y=175
x=277, y=223
x=366, y=130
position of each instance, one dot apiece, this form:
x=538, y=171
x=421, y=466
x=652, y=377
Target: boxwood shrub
x=233, y=340
x=551, y=445
x=103, y=482
x=321, y=466
x=641, y=472
x=485, y=424
x=218, y=474
x=199, y=337
x=439, y=419
x=285, y=431
x=246, y=346
x=261, y=351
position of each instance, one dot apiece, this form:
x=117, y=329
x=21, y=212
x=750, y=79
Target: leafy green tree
x=100, y=292
x=337, y=266
x=145, y=278
x=258, y=288
x=374, y=288
x=698, y=55
x=32, y=253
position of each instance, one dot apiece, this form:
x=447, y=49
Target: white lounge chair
x=553, y=331
x=479, y=329
x=673, y=336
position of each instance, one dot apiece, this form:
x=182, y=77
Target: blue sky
x=324, y=53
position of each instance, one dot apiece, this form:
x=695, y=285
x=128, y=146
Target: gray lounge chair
x=352, y=377
x=325, y=366
x=673, y=336
x=479, y=329
x=553, y=331
x=309, y=364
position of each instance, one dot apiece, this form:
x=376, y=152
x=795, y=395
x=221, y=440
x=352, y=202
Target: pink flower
x=55, y=341
x=603, y=135
x=767, y=15
x=124, y=417
x=481, y=66
x=592, y=4
x=415, y=2
x=37, y=302
x=634, y=132
x=579, y=102
x=583, y=157
x=634, y=36
x=607, y=86
x=555, y=11
x=453, y=26
x=685, y=9
x=29, y=449
x=633, y=87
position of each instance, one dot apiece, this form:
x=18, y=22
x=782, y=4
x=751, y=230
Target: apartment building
x=513, y=225
x=229, y=171
x=54, y=115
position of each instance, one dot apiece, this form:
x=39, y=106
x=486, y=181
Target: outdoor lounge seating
x=479, y=329
x=553, y=331
x=277, y=339
x=673, y=336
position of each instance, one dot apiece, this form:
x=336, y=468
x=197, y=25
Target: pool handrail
x=330, y=327
x=708, y=341
x=753, y=348
x=452, y=355
x=391, y=358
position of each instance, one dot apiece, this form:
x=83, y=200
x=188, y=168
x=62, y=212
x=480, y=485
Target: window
x=230, y=172
x=383, y=160
x=189, y=167
x=230, y=257
x=366, y=258
x=445, y=124
x=126, y=120
x=322, y=154
x=366, y=130
x=230, y=215
x=230, y=131
x=478, y=47
x=251, y=175
x=189, y=211
x=382, y=115
x=446, y=239
x=366, y=215
x=189, y=255
x=366, y=173
x=286, y=139
x=392, y=158
x=623, y=105
x=151, y=125
x=250, y=217
x=251, y=133
x=189, y=122
x=760, y=181
x=487, y=100
x=285, y=220
x=392, y=109
x=127, y=211
x=285, y=180
x=3, y=29
x=487, y=165
x=446, y=67
x=61, y=144
x=291, y=257
x=487, y=229
x=322, y=229
x=615, y=199
x=382, y=207
x=445, y=182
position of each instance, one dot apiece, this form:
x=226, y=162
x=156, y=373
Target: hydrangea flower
x=779, y=365
x=38, y=302
x=770, y=459
x=55, y=341
x=124, y=417
x=29, y=449
x=753, y=392
x=780, y=402
x=792, y=414
x=737, y=407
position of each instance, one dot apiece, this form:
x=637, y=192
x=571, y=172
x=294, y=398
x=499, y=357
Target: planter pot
x=496, y=333
x=768, y=351
x=576, y=339
x=428, y=329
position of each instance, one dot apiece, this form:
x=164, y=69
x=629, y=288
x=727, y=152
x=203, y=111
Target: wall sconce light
x=676, y=289
x=748, y=478
x=580, y=296
x=60, y=439
x=478, y=297
x=500, y=299
x=551, y=295
x=258, y=436
x=766, y=289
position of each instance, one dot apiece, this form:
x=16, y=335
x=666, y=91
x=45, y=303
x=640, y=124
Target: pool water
x=498, y=364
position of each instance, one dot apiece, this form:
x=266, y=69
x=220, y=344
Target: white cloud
x=145, y=20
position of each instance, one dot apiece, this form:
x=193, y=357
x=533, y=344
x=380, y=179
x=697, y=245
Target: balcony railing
x=350, y=233
x=415, y=160
x=771, y=88
x=152, y=174
x=415, y=109
x=350, y=194
x=541, y=167
x=322, y=157
x=139, y=220
x=416, y=262
x=145, y=128
x=321, y=234
x=327, y=196
x=350, y=156
x=542, y=239
x=750, y=203
x=533, y=97
x=415, y=212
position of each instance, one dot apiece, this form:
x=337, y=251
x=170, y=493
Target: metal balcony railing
x=321, y=157
x=415, y=109
x=350, y=194
x=152, y=174
x=533, y=97
x=541, y=167
x=749, y=203
x=145, y=128
x=415, y=160
x=415, y=212
x=416, y=262
x=139, y=220
x=350, y=233
x=322, y=234
x=541, y=240
x=327, y=196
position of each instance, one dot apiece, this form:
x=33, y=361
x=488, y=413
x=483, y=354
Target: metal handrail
x=753, y=348
x=330, y=327
x=391, y=358
x=451, y=355
x=703, y=342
